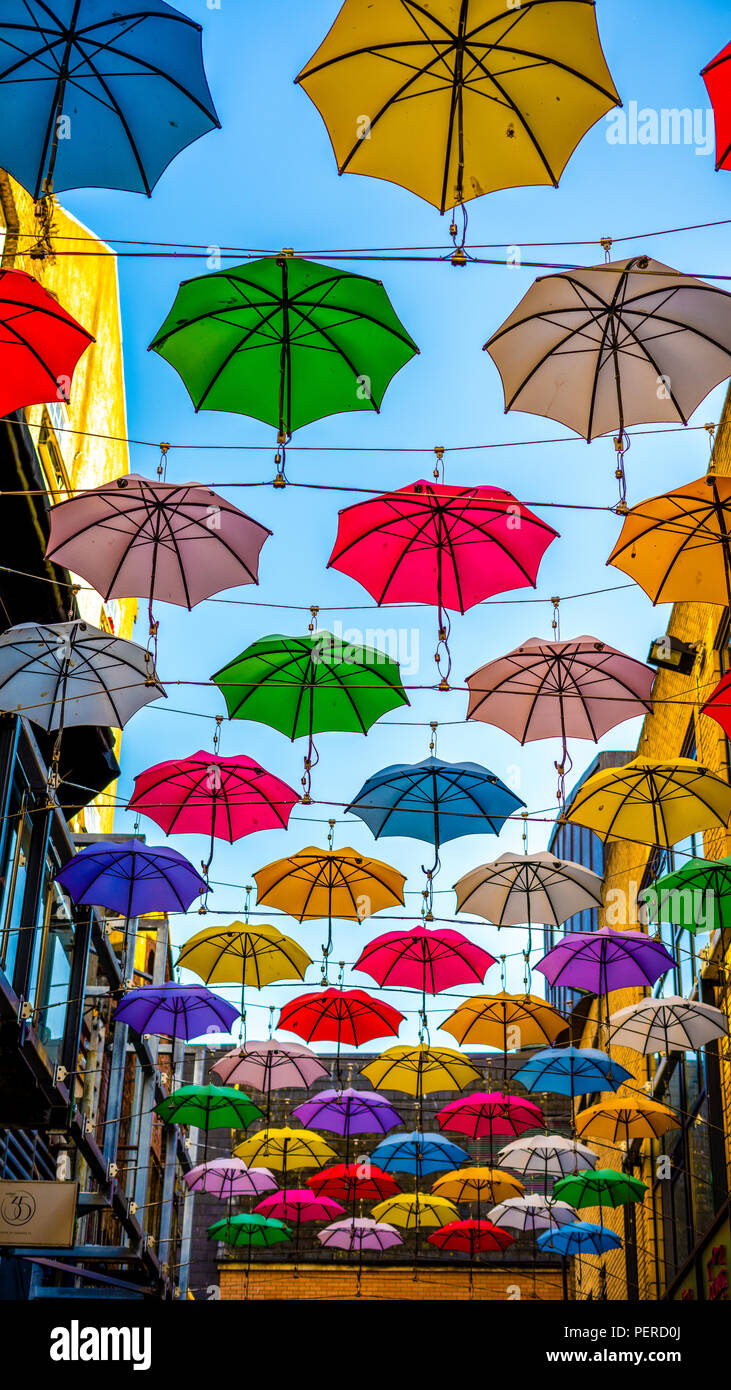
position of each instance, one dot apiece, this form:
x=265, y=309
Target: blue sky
x=267, y=180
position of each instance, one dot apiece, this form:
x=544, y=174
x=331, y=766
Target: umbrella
x=490, y=1113
x=227, y=1178
x=620, y=1119
x=528, y=888
x=505, y=1021
x=448, y=546
x=284, y=1149
x=430, y=960
x=579, y=1239
x=285, y=341
x=667, y=1024
x=130, y=75
x=718, y=704
x=462, y=99
x=208, y=1107
x=327, y=883
x=547, y=1155
x=470, y=1237
x=678, y=546
x=349, y=1016
x=349, y=1112
x=605, y=960
x=571, y=1071
x=298, y=1205
x=175, y=1011
x=248, y=1230
x=532, y=1214
x=417, y=1153
x=205, y=794
x=412, y=1210
x=717, y=77
x=354, y=1182
x=684, y=896
x=40, y=343
x=132, y=878
x=359, y=1233
x=478, y=1185
x=67, y=674
x=269, y=1065
x=244, y=954
x=136, y=537
x=604, y=1187
x=421, y=1070
x=652, y=802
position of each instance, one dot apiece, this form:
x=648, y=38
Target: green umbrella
x=304, y=686
x=250, y=1230
x=683, y=896
x=600, y=1187
x=209, y=1107
x=284, y=340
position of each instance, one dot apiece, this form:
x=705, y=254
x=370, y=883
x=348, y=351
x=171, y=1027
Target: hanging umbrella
x=423, y=958
x=602, y=961
x=132, y=878
x=249, y=1231
x=588, y=347
x=652, y=802
x=411, y=1211
x=532, y=1214
x=667, y=1024
x=269, y=1065
x=620, y=1119
x=478, y=1185
x=470, y=1237
x=227, y=1178
x=343, y=1016
x=417, y=1153
x=604, y=1187
x=581, y=1238
x=285, y=341
x=40, y=343
x=717, y=77
x=128, y=78
x=136, y=537
x=66, y=674
x=490, y=1113
x=208, y=1107
x=547, y=1156
x=361, y=1181
x=349, y=1112
x=298, y=1205
x=571, y=1071
x=359, y=1233
x=421, y=1070
x=686, y=895
x=284, y=1149
x=516, y=889
x=718, y=704
x=462, y=100
x=175, y=1011
x=244, y=954
x=678, y=546
x=504, y=1021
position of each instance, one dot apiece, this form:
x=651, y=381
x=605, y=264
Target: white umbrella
x=520, y=888
x=532, y=1214
x=547, y=1155
x=61, y=674
x=671, y=1024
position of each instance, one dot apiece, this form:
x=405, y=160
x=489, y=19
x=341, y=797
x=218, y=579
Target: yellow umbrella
x=419, y=1070
x=651, y=802
x=413, y=1210
x=478, y=1185
x=622, y=1118
x=244, y=954
x=455, y=100
x=505, y=1021
x=285, y=1149
x=677, y=546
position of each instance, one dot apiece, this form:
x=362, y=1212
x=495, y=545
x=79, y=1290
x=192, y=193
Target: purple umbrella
x=177, y=1011
x=360, y=1233
x=349, y=1112
x=605, y=960
x=269, y=1066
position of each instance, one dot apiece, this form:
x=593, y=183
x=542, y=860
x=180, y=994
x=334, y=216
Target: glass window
x=12, y=890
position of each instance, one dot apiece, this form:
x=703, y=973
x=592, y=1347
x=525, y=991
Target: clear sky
x=267, y=180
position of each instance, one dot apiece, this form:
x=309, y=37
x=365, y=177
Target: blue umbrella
x=434, y=801
x=176, y=1011
x=98, y=93
x=581, y=1238
x=418, y=1153
x=132, y=878
x=572, y=1071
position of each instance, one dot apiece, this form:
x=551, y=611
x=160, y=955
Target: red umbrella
x=489, y=1113
x=717, y=77
x=349, y=1016
x=718, y=704
x=448, y=546
x=470, y=1236
x=424, y=959
x=40, y=344
x=361, y=1181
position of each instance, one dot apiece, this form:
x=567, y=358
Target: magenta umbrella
x=424, y=958
x=489, y=1113
x=269, y=1065
x=297, y=1205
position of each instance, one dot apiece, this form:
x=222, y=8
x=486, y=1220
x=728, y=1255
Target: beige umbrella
x=517, y=889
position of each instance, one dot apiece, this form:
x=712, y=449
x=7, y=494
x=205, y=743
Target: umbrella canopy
x=131, y=73
x=687, y=894
x=488, y=1113
x=284, y=340
x=423, y=958
x=345, y=1016
x=250, y=1230
x=285, y=1149
x=579, y=1239
x=478, y=1185
x=349, y=1112
x=532, y=1214
x=66, y=674
x=227, y=1178
x=434, y=801
x=455, y=109
x=516, y=889
x=421, y=1070
x=717, y=77
x=571, y=1071
x=269, y=1065
x=604, y=1187
x=326, y=883
x=244, y=954
x=208, y=1107
x=587, y=347
x=136, y=537
x=718, y=705
x=547, y=1156
x=132, y=878
x=470, y=1237
x=359, y=1233
x=175, y=1011
x=354, y=1182
x=417, y=1153
x=619, y=1119
x=678, y=546
x=297, y=1204
x=652, y=802
x=40, y=343
x=667, y=1024
x=605, y=960
x=505, y=1021
x=411, y=1211
x=206, y=794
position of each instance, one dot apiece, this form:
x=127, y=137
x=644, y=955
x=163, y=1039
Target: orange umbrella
x=677, y=546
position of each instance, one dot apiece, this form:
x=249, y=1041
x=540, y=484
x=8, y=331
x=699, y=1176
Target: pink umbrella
x=269, y=1066
x=297, y=1205
x=429, y=960
x=359, y=1233
x=575, y=689
x=489, y=1113
x=229, y=1177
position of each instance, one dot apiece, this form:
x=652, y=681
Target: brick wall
x=446, y=1283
